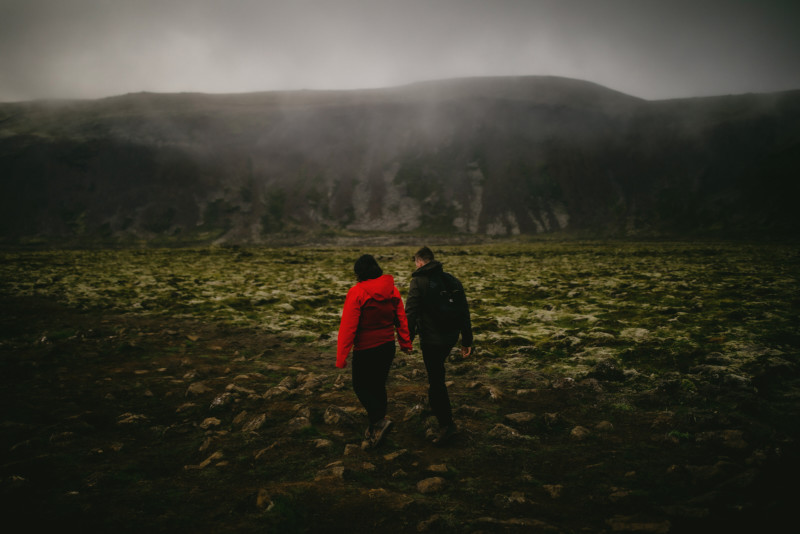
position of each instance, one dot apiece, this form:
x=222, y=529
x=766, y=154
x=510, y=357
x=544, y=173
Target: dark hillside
x=490, y=156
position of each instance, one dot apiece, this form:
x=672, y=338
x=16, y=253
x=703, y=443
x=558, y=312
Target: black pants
x=434, y=357
x=370, y=371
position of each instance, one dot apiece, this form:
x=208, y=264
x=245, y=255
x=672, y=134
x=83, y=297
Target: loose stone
x=580, y=433
x=520, y=417
x=255, y=423
x=431, y=485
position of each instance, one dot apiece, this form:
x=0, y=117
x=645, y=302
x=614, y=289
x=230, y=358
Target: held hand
x=466, y=351
x=343, y=363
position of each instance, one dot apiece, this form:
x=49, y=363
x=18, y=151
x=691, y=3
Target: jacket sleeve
x=348, y=327
x=466, y=326
x=413, y=307
x=401, y=321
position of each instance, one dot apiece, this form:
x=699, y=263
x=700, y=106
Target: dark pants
x=370, y=371
x=434, y=357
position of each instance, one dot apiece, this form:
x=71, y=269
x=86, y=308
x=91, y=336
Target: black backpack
x=446, y=302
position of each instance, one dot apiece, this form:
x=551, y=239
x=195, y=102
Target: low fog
x=649, y=49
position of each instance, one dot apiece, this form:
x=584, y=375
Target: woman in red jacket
x=373, y=311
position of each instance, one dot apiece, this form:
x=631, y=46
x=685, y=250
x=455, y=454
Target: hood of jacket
x=432, y=267
x=380, y=288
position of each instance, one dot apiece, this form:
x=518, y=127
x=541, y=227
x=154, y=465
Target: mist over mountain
x=479, y=156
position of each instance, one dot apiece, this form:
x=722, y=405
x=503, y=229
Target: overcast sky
x=648, y=48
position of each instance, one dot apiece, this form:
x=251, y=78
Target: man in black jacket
x=436, y=339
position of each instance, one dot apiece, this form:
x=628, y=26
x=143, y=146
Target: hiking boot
x=444, y=434
x=380, y=429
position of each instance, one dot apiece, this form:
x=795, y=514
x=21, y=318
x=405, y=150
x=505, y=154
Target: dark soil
x=101, y=432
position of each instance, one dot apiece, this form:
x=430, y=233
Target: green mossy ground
x=689, y=351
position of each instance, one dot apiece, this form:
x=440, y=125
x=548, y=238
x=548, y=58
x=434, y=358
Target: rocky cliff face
x=490, y=156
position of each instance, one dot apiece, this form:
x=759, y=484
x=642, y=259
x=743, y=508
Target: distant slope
x=493, y=156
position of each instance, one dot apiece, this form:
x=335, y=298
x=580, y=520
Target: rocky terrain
x=615, y=388
x=481, y=156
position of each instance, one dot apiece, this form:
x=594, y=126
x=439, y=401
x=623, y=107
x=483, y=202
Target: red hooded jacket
x=372, y=311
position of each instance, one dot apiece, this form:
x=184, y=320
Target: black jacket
x=419, y=318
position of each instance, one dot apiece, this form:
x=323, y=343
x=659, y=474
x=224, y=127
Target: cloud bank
x=647, y=48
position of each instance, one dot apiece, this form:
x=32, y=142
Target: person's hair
x=366, y=268
x=424, y=254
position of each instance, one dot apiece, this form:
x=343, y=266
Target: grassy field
x=647, y=387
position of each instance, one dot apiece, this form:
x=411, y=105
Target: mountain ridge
x=476, y=156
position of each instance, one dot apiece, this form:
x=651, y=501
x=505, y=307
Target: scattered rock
x=591, y=384
x=431, y=485
x=351, y=449
x=607, y=369
x=394, y=455
x=255, y=423
x=301, y=410
x=494, y=393
x=621, y=523
x=209, y=422
x=416, y=410
x=554, y=490
x=239, y=419
x=521, y=417
x=580, y=433
x=239, y=389
x=438, y=468
x=276, y=393
x=604, y=426
x=507, y=433
x=336, y=416
x=563, y=383
x=221, y=400
x=261, y=452
x=197, y=388
x=468, y=410
x=335, y=471
x=340, y=382
x=205, y=463
x=263, y=500
x=185, y=406
x=322, y=443
x=311, y=382
x=129, y=418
